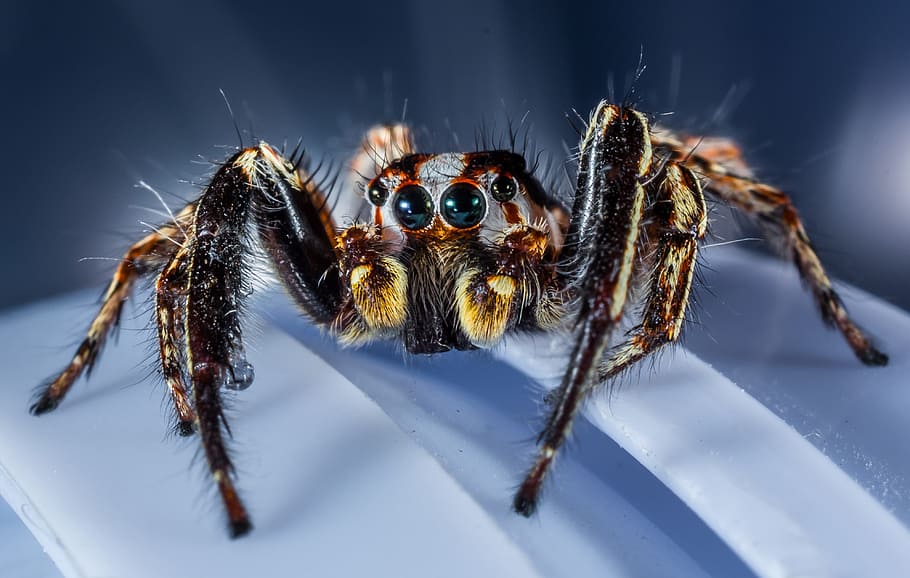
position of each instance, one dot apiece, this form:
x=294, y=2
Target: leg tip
x=524, y=503
x=239, y=528
x=186, y=429
x=873, y=357
x=43, y=405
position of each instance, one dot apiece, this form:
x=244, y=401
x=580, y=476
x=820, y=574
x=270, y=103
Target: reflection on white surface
x=415, y=477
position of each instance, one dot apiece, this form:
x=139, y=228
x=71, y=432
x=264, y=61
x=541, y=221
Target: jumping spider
x=456, y=251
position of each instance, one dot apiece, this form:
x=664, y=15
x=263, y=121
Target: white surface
x=20, y=554
x=334, y=486
x=416, y=479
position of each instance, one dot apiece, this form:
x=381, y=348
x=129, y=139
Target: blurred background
x=100, y=95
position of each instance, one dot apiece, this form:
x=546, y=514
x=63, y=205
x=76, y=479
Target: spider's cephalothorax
x=456, y=251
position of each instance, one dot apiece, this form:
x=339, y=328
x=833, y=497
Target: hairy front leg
x=600, y=254
x=255, y=187
x=215, y=284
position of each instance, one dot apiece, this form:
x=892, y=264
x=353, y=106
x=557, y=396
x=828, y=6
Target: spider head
x=446, y=194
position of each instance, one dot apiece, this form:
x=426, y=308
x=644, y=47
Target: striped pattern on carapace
x=442, y=251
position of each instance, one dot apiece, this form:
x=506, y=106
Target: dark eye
x=463, y=205
x=377, y=194
x=503, y=189
x=414, y=207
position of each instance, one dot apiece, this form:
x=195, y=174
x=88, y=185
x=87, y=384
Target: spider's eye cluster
x=462, y=206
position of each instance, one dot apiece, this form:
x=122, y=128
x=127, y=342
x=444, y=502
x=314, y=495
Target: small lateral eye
x=463, y=205
x=377, y=194
x=503, y=189
x=414, y=207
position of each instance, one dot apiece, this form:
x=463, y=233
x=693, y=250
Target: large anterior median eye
x=414, y=207
x=463, y=205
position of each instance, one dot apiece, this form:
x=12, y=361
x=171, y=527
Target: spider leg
x=169, y=292
x=142, y=257
x=777, y=216
x=381, y=145
x=598, y=259
x=255, y=187
x=296, y=231
x=211, y=317
x=215, y=284
x=679, y=223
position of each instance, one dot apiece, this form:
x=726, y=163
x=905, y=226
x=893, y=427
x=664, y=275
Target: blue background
x=100, y=95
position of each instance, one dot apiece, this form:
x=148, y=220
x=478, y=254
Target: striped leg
x=150, y=252
x=215, y=283
x=170, y=293
x=601, y=250
x=256, y=186
x=680, y=221
x=729, y=180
